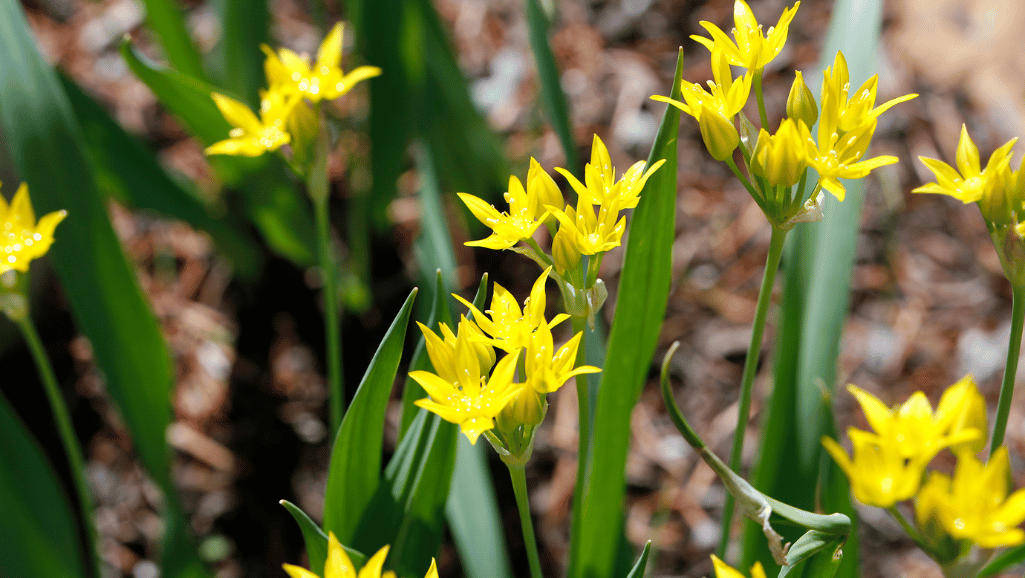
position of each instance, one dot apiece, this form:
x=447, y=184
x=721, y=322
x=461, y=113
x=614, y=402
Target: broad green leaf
x=473, y=516
x=244, y=26
x=407, y=509
x=271, y=198
x=816, y=298
x=553, y=98
x=316, y=540
x=640, y=308
x=355, y=469
x=49, y=151
x=642, y=562
x=167, y=21
x=411, y=390
x=38, y=527
x=130, y=173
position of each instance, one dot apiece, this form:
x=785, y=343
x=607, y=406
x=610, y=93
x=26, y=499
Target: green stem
x=908, y=528
x=761, y=100
x=519, y=483
x=584, y=418
x=1013, y=350
x=336, y=387
x=750, y=368
x=76, y=460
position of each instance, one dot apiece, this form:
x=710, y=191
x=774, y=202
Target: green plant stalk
x=336, y=387
x=761, y=100
x=750, y=368
x=1011, y=369
x=519, y=482
x=584, y=419
x=76, y=460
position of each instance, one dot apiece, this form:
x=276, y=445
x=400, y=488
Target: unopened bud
x=801, y=102
x=720, y=136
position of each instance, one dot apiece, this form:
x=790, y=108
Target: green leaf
x=37, y=528
x=411, y=390
x=809, y=544
x=272, y=200
x=244, y=26
x=473, y=515
x=643, y=291
x=355, y=469
x=316, y=540
x=816, y=299
x=49, y=151
x=408, y=506
x=642, y=562
x=553, y=98
x=129, y=172
x=1003, y=561
x=166, y=20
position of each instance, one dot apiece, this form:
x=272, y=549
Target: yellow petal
x=237, y=114
x=21, y=212
x=355, y=77
x=373, y=567
x=297, y=572
x=432, y=572
x=329, y=56
x=338, y=564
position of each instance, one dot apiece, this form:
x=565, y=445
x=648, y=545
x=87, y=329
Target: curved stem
x=750, y=368
x=519, y=483
x=1013, y=351
x=761, y=100
x=76, y=460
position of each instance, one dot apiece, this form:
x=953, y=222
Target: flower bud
x=780, y=158
x=564, y=251
x=801, y=102
x=527, y=409
x=720, y=135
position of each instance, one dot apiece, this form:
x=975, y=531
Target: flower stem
x=1013, y=351
x=908, y=528
x=761, y=100
x=76, y=460
x=584, y=418
x=519, y=482
x=336, y=387
x=750, y=368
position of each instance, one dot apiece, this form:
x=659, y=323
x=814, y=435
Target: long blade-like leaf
x=642, y=563
x=553, y=98
x=37, y=528
x=355, y=469
x=644, y=292
x=107, y=303
x=245, y=27
x=168, y=22
x=316, y=540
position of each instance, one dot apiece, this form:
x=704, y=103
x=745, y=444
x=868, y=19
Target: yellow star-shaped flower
x=322, y=80
x=22, y=238
x=252, y=136
x=751, y=50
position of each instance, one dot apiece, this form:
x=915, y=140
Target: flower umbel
x=751, y=50
x=322, y=80
x=601, y=186
x=252, y=136
x=23, y=238
x=879, y=474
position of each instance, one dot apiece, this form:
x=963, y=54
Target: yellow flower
x=471, y=400
x=510, y=327
x=565, y=254
x=879, y=474
x=324, y=80
x=724, y=570
x=588, y=233
x=837, y=156
x=974, y=505
x=601, y=186
x=526, y=209
x=338, y=564
x=751, y=50
x=912, y=429
x=849, y=112
x=969, y=183
x=963, y=409
x=254, y=136
x=23, y=238
x=547, y=369
x=801, y=103
x=442, y=351
x=781, y=158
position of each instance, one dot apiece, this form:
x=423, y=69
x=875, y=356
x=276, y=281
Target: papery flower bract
x=338, y=564
x=600, y=186
x=324, y=79
x=751, y=50
x=968, y=183
x=509, y=326
x=547, y=369
x=526, y=209
x=252, y=136
x=473, y=400
x=23, y=239
x=974, y=505
x=837, y=156
x=852, y=111
x=879, y=475
x=724, y=570
x=780, y=158
x=912, y=429
x=589, y=233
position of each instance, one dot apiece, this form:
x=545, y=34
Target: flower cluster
x=997, y=189
x=339, y=565
x=292, y=78
x=889, y=464
x=594, y=226
x=462, y=391
x=23, y=239
x=777, y=162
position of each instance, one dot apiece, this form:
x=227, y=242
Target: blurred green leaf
x=130, y=173
x=642, y=562
x=355, y=469
x=1003, y=561
x=49, y=151
x=640, y=308
x=553, y=99
x=167, y=21
x=37, y=528
x=407, y=508
x=816, y=298
x=245, y=26
x=272, y=200
x=411, y=390
x=473, y=516
x=316, y=540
